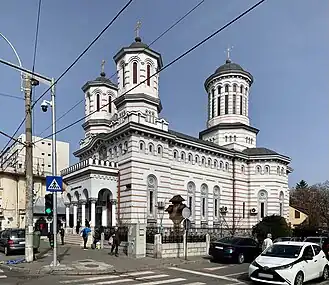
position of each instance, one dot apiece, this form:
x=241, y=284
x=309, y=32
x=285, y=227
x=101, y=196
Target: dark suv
x=12, y=240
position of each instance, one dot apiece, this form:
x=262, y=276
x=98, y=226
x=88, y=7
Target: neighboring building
x=42, y=155
x=297, y=216
x=131, y=162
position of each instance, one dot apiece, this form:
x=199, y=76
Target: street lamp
x=161, y=208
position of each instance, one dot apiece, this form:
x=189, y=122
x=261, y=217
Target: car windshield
x=285, y=239
x=315, y=240
x=17, y=234
x=230, y=240
x=283, y=251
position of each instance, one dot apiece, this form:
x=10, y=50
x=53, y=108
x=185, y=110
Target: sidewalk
x=76, y=261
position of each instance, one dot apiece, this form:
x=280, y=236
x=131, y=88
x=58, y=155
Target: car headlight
x=254, y=263
x=288, y=266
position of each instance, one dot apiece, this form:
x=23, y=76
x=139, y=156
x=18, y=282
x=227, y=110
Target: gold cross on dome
x=103, y=66
x=138, y=27
x=228, y=52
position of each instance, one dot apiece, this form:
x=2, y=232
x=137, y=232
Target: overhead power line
x=74, y=62
x=170, y=63
x=159, y=37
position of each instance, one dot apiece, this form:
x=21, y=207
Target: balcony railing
x=87, y=163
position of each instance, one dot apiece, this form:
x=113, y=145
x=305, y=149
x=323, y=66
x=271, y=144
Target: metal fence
x=109, y=231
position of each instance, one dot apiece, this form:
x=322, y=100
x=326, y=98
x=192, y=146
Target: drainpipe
x=233, y=176
x=119, y=218
x=17, y=202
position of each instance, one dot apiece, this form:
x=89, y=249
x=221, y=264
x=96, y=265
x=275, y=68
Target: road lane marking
x=152, y=277
x=167, y=281
x=110, y=282
x=204, y=274
x=216, y=268
x=239, y=273
x=88, y=279
x=140, y=273
x=3, y=276
x=195, y=283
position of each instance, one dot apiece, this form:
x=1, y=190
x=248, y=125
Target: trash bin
x=36, y=240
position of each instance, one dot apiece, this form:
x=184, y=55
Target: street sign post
x=186, y=213
x=54, y=184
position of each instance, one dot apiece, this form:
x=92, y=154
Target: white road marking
x=89, y=279
x=110, y=282
x=195, y=283
x=204, y=274
x=3, y=276
x=216, y=268
x=139, y=273
x=152, y=277
x=167, y=281
x=238, y=273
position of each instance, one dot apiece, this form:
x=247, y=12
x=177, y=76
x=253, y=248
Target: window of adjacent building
x=110, y=104
x=226, y=104
x=226, y=88
x=148, y=74
x=297, y=214
x=243, y=209
x=234, y=104
x=213, y=103
x=135, y=73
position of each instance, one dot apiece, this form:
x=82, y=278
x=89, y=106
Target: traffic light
x=49, y=204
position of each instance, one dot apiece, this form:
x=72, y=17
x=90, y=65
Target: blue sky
x=284, y=44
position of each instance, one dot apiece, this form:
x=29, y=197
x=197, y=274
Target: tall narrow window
x=151, y=202
x=226, y=104
x=241, y=105
x=234, y=88
x=241, y=89
x=262, y=203
x=213, y=103
x=219, y=90
x=281, y=209
x=135, y=73
x=98, y=102
x=203, y=207
x=216, y=207
x=226, y=88
x=218, y=106
x=152, y=195
x=243, y=210
x=110, y=104
x=234, y=104
x=148, y=74
x=191, y=198
x=245, y=106
x=190, y=202
x=123, y=75
x=209, y=106
x=262, y=210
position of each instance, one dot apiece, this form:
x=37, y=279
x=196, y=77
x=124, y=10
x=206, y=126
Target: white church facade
x=132, y=163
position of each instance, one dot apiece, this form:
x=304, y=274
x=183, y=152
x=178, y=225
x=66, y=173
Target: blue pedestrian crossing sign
x=54, y=183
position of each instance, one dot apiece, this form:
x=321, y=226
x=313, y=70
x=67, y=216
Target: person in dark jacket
x=62, y=234
x=116, y=241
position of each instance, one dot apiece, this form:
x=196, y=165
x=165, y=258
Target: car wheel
x=325, y=273
x=299, y=279
x=6, y=251
x=241, y=258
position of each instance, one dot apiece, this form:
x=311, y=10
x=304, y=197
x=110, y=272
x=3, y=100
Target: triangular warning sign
x=54, y=185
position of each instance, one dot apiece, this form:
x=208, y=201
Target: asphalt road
x=186, y=274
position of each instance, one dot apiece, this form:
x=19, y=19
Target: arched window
x=190, y=158
x=151, y=148
x=226, y=166
x=241, y=89
x=204, y=202
x=159, y=149
x=267, y=169
x=241, y=107
x=234, y=104
x=234, y=88
x=282, y=171
x=123, y=66
x=191, y=199
x=281, y=199
x=196, y=159
x=278, y=170
x=218, y=105
x=110, y=104
x=216, y=202
x=148, y=74
x=125, y=147
x=203, y=160
x=226, y=88
x=215, y=163
x=221, y=164
x=135, y=73
x=219, y=89
x=242, y=169
x=151, y=195
x=209, y=161
x=102, y=152
x=115, y=151
x=262, y=203
x=234, y=138
x=141, y=145
x=226, y=104
x=225, y=138
x=182, y=156
x=98, y=102
x=258, y=169
x=246, y=90
x=230, y=138
x=120, y=149
x=175, y=154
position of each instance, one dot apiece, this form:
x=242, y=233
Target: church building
x=131, y=163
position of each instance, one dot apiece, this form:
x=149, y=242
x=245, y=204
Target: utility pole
x=28, y=83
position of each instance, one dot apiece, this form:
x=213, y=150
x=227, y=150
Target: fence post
x=185, y=249
x=102, y=240
x=207, y=243
x=157, y=251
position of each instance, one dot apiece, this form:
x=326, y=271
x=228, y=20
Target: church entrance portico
x=105, y=209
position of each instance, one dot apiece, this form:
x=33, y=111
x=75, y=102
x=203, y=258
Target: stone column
x=93, y=212
x=114, y=216
x=104, y=216
x=75, y=214
x=67, y=214
x=83, y=212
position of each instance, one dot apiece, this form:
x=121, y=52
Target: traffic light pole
x=54, y=169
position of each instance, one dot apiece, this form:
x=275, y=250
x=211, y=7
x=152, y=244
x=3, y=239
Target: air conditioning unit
x=223, y=210
x=253, y=211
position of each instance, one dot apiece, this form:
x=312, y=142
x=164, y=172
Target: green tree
x=275, y=225
x=302, y=185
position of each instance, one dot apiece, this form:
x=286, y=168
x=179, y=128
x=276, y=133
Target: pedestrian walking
x=267, y=242
x=115, y=241
x=84, y=233
x=77, y=229
x=62, y=233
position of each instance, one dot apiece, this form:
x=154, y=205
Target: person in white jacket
x=267, y=242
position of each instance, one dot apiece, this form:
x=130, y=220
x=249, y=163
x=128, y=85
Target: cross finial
x=137, y=28
x=102, y=67
x=228, y=52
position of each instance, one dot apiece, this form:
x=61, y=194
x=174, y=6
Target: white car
x=291, y=263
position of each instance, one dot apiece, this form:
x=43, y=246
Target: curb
x=73, y=272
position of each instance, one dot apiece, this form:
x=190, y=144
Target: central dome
x=229, y=66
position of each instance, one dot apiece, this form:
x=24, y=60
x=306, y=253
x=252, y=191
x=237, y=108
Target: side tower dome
x=228, y=103
x=99, y=97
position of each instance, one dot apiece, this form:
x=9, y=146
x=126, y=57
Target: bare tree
x=231, y=226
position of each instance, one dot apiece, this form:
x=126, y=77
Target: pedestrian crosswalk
x=139, y=277
x=2, y=275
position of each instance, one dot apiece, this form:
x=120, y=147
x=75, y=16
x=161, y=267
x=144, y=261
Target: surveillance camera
x=44, y=106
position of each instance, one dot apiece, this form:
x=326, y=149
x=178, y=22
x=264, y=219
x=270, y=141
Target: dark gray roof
x=100, y=81
x=138, y=43
x=259, y=151
x=229, y=66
